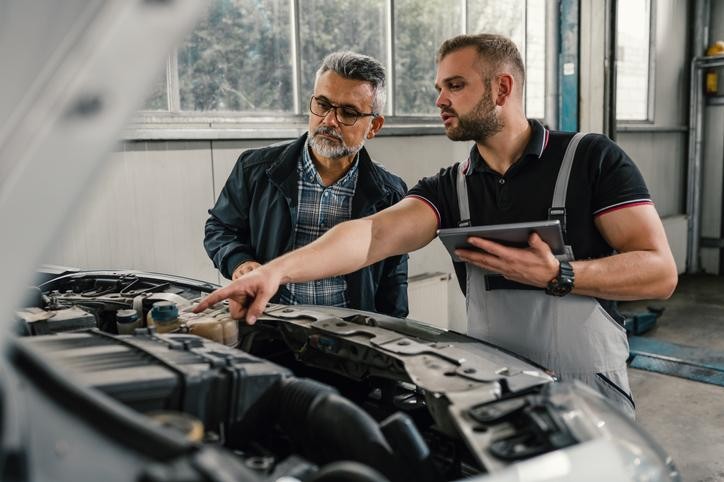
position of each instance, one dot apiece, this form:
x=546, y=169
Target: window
x=420, y=27
x=633, y=64
x=329, y=25
x=535, y=59
x=251, y=59
x=238, y=59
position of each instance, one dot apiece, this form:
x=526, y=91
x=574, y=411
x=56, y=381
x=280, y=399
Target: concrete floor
x=686, y=417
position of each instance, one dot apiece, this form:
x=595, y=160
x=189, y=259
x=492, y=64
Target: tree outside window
x=240, y=61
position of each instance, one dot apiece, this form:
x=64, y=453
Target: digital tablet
x=514, y=234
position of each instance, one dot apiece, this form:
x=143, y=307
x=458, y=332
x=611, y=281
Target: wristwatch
x=562, y=284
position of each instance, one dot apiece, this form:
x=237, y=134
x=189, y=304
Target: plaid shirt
x=319, y=209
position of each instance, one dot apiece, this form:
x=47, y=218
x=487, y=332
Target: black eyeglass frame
x=334, y=107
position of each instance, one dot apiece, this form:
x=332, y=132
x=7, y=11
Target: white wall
x=661, y=157
x=147, y=209
x=413, y=158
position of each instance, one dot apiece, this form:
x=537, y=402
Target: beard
x=331, y=148
x=479, y=124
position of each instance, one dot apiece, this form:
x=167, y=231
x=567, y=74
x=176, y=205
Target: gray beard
x=480, y=124
x=329, y=148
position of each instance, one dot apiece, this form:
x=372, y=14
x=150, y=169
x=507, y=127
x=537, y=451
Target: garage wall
x=658, y=147
x=147, y=209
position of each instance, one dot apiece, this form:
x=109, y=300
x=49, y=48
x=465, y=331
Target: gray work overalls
x=572, y=335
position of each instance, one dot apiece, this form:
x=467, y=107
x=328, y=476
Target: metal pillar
x=568, y=66
x=552, y=67
x=696, y=135
x=609, y=91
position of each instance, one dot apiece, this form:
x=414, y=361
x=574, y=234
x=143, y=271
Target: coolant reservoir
x=127, y=321
x=164, y=316
x=218, y=326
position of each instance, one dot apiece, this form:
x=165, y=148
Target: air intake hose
x=322, y=425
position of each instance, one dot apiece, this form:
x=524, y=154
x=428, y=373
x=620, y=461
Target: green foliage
x=420, y=27
x=239, y=57
x=329, y=25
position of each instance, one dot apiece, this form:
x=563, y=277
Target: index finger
x=210, y=300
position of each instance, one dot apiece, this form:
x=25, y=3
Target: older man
x=285, y=196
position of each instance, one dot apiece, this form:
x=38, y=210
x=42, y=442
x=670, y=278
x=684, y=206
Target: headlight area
x=568, y=431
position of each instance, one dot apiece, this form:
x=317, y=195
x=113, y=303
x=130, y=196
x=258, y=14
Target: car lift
x=694, y=363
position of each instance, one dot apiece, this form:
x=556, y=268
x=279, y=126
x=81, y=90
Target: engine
x=309, y=392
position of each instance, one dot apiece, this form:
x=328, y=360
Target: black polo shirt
x=603, y=178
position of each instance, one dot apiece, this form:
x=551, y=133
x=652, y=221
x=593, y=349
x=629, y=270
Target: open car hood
x=307, y=387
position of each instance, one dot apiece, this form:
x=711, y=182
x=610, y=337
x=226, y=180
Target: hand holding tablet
x=514, y=235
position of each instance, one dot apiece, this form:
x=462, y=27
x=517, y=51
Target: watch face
x=566, y=283
x=563, y=283
x=560, y=286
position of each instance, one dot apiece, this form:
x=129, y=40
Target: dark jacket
x=254, y=217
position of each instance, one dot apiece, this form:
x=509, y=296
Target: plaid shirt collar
x=309, y=172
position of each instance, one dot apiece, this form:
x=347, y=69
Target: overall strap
x=558, y=206
x=462, y=189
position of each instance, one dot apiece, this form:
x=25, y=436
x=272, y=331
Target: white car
x=308, y=394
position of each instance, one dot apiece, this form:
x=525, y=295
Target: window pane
x=632, y=65
x=504, y=18
x=420, y=27
x=510, y=19
x=535, y=59
x=158, y=99
x=238, y=59
x=329, y=25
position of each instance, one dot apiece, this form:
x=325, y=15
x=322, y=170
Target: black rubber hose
x=347, y=471
x=411, y=449
x=322, y=425
x=330, y=427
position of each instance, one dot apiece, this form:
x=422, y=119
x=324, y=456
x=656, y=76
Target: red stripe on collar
x=546, y=135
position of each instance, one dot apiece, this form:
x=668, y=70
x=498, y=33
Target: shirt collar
x=310, y=174
x=535, y=148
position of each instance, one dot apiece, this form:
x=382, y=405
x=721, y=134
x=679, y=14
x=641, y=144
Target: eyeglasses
x=346, y=116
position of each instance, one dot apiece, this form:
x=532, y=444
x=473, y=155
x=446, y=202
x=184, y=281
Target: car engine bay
x=308, y=392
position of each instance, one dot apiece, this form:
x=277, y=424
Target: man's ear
x=377, y=123
x=504, y=88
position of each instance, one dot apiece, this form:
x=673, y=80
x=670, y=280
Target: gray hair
x=351, y=65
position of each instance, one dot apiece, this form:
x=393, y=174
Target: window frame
x=175, y=124
x=651, y=85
